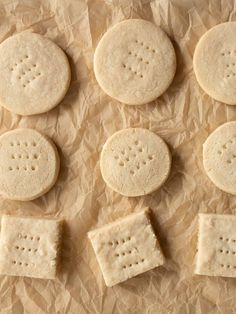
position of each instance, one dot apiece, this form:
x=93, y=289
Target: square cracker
x=29, y=247
x=126, y=247
x=216, y=245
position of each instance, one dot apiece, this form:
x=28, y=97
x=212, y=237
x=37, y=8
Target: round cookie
x=214, y=62
x=134, y=62
x=34, y=74
x=29, y=164
x=135, y=162
x=219, y=157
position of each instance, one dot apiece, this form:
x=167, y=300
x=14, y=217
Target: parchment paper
x=183, y=116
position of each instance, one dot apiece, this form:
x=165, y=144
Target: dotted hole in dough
x=135, y=263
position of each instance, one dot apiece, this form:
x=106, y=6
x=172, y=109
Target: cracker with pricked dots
x=30, y=247
x=126, y=247
x=216, y=245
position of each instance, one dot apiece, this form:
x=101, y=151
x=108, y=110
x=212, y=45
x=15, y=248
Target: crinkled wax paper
x=183, y=116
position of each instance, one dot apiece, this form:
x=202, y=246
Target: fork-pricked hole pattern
x=32, y=252
x=126, y=247
x=25, y=70
x=216, y=245
x=37, y=84
x=138, y=62
x=219, y=157
x=135, y=154
x=131, y=154
x=230, y=69
x=217, y=81
x=29, y=161
x=139, y=57
x=227, y=145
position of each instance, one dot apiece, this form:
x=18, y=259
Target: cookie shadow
x=72, y=93
x=66, y=253
x=172, y=186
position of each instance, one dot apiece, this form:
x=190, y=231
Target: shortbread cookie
x=215, y=62
x=216, y=245
x=219, y=157
x=30, y=246
x=134, y=62
x=126, y=248
x=135, y=162
x=29, y=164
x=34, y=74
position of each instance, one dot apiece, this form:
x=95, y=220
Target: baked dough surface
x=135, y=161
x=34, y=74
x=134, y=62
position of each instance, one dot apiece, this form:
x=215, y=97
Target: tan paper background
x=183, y=116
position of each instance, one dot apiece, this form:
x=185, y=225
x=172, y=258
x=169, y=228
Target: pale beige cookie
x=219, y=157
x=134, y=62
x=135, y=162
x=29, y=164
x=216, y=245
x=215, y=62
x=30, y=246
x=34, y=74
x=126, y=248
